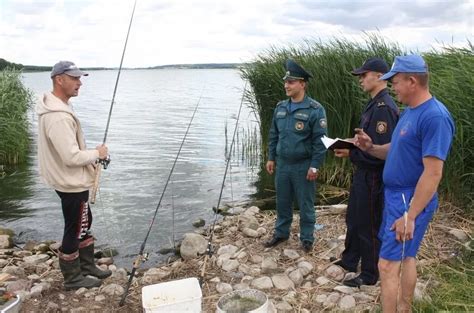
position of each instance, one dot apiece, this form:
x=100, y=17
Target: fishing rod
x=105, y=162
x=141, y=257
x=209, y=243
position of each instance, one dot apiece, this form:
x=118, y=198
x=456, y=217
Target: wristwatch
x=314, y=170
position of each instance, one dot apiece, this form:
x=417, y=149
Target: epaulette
x=381, y=104
x=315, y=104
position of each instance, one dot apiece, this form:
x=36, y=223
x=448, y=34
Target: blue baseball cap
x=412, y=63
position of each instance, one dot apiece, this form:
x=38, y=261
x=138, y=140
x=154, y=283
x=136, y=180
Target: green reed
x=338, y=91
x=15, y=101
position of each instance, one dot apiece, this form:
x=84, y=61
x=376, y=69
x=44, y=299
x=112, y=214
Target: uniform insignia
x=323, y=123
x=381, y=104
x=381, y=127
x=299, y=125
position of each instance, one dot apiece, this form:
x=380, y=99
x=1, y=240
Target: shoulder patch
x=315, y=104
x=381, y=127
x=280, y=103
x=323, y=123
x=381, y=104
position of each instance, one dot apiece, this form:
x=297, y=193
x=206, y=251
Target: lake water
x=150, y=116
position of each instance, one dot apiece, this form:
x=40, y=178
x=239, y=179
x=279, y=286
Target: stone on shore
x=192, y=246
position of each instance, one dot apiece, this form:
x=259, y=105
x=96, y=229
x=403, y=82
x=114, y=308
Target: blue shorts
x=391, y=249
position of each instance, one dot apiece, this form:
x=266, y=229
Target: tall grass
x=15, y=100
x=339, y=92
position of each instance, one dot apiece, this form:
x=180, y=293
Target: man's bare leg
x=408, y=284
x=389, y=279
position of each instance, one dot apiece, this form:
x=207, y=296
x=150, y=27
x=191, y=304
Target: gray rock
x=248, y=221
x=307, y=284
x=282, y=282
x=223, y=288
x=252, y=211
x=81, y=291
x=199, y=222
x=112, y=267
x=192, y=246
x=459, y=234
x=42, y=247
x=247, y=279
x=347, y=302
x=36, y=259
x=227, y=249
x=322, y=280
x=291, y=254
x=5, y=242
x=261, y=231
x=230, y=265
x=284, y=307
x=222, y=258
x=22, y=253
x=105, y=261
x=305, y=267
x=99, y=298
x=264, y=282
x=215, y=280
x=344, y=289
x=290, y=297
x=332, y=299
x=362, y=297
x=52, y=307
x=14, y=270
x=154, y=275
x=255, y=258
x=241, y=286
x=296, y=277
x=120, y=275
x=19, y=285
x=113, y=290
x=233, y=229
x=242, y=256
x=321, y=298
x=244, y=268
x=269, y=265
x=36, y=291
x=335, y=272
x=250, y=232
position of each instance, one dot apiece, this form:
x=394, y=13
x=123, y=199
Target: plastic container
x=240, y=301
x=182, y=295
x=11, y=306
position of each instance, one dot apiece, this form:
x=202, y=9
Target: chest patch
x=299, y=125
x=281, y=114
x=381, y=127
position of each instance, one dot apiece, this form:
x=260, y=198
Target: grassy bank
x=15, y=100
x=452, y=71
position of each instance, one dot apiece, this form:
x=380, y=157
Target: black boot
x=88, y=267
x=71, y=270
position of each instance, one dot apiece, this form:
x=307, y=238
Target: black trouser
x=363, y=219
x=77, y=219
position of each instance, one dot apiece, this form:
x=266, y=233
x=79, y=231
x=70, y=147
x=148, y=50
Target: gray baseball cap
x=68, y=68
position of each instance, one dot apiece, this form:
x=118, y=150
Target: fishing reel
x=105, y=162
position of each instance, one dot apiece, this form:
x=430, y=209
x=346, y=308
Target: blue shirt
x=424, y=131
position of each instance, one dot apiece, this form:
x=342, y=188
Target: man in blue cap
x=296, y=152
x=413, y=169
x=364, y=212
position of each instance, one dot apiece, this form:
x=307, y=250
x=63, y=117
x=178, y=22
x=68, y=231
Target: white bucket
x=182, y=295
x=240, y=301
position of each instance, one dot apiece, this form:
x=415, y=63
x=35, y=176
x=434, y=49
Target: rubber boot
x=71, y=270
x=88, y=267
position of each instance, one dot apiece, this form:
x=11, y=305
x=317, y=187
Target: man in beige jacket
x=68, y=166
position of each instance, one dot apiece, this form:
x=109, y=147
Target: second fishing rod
x=141, y=255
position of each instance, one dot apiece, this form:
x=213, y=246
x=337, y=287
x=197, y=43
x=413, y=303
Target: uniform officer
x=295, y=153
x=364, y=212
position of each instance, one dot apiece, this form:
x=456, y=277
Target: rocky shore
x=294, y=281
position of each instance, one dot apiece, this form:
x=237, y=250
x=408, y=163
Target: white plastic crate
x=182, y=295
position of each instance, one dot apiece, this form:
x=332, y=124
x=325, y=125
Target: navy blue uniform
x=364, y=212
x=295, y=144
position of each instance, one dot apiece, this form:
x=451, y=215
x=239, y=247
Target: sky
x=92, y=32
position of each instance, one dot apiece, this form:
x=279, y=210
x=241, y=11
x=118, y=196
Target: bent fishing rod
x=105, y=162
x=141, y=257
x=209, y=243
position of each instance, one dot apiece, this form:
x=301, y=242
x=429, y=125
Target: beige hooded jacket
x=64, y=162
